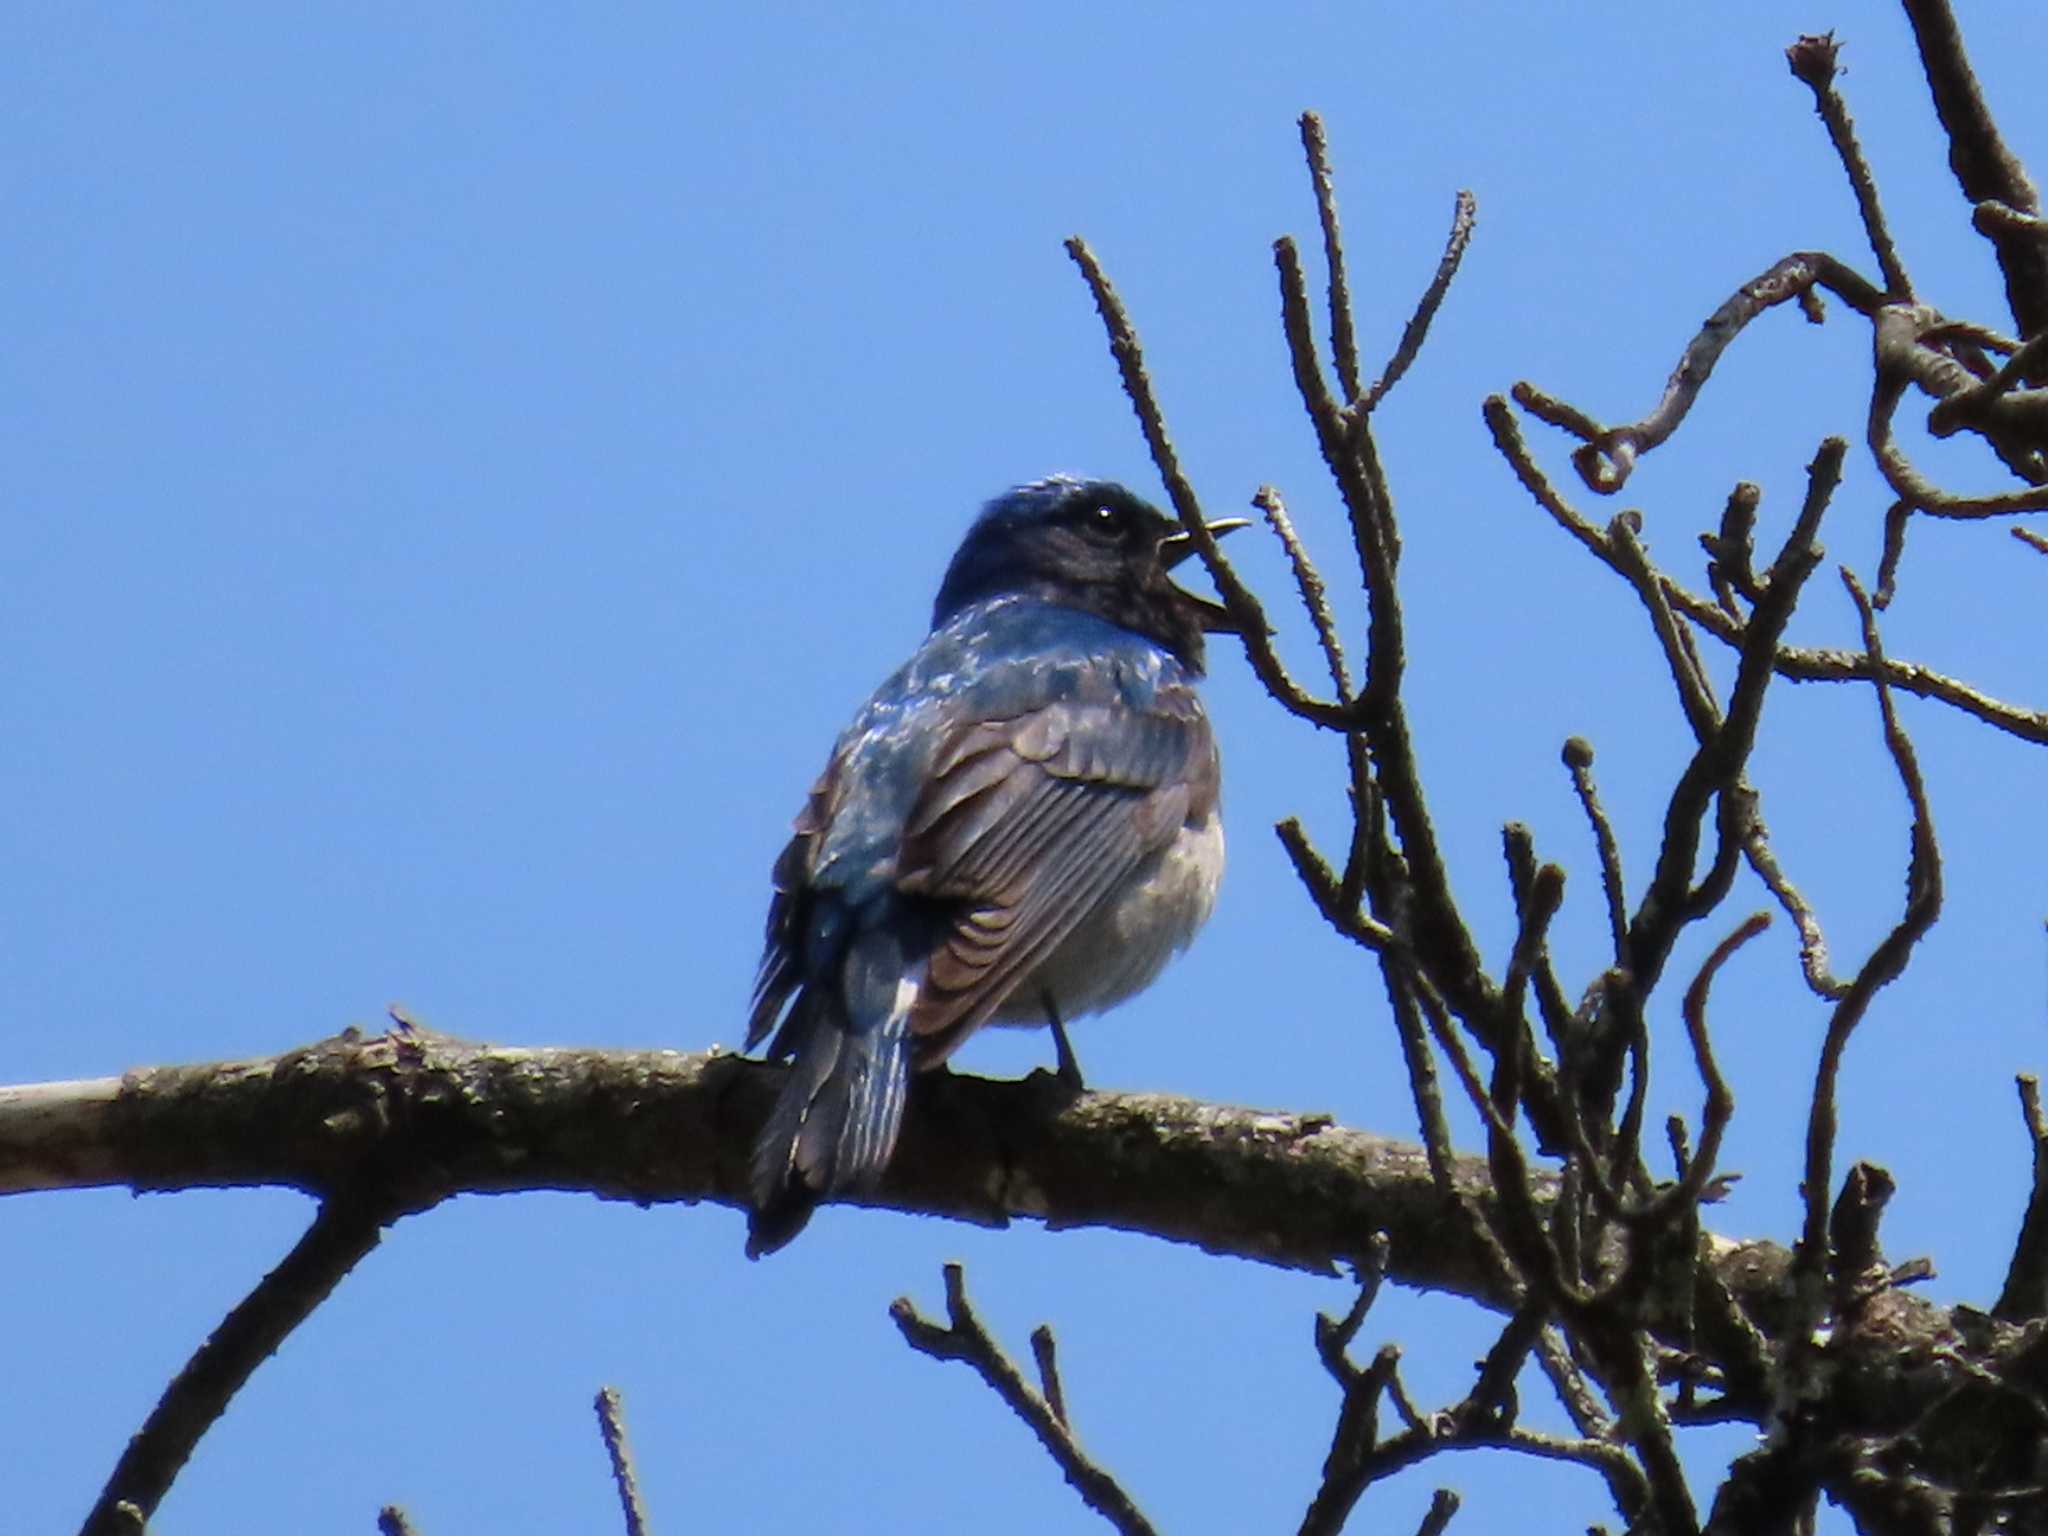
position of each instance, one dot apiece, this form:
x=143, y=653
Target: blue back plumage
x=995, y=659
x=993, y=829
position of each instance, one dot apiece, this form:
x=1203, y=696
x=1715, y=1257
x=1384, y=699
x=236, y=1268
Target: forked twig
x=1798, y=662
x=1720, y=1105
x=1244, y=606
x=963, y=1338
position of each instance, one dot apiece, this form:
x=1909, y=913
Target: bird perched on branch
x=1020, y=827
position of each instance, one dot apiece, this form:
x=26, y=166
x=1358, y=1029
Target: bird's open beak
x=1176, y=547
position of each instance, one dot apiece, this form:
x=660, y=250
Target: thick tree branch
x=1294, y=1190
x=1984, y=168
x=657, y=1126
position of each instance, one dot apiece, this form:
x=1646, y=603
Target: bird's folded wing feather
x=1027, y=823
x=781, y=972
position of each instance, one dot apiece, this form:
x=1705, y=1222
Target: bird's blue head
x=1091, y=545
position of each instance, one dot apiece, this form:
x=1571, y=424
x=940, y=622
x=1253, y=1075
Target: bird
x=1021, y=826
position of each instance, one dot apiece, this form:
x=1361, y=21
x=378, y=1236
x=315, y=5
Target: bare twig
x=1353, y=1459
x=1045, y=1354
x=1507, y=438
x=1327, y=892
x=1578, y=759
x=2025, y=1293
x=1813, y=944
x=1308, y=581
x=341, y=1234
x=1552, y=411
x=1359, y=1457
x=1443, y=1504
x=1723, y=753
x=1896, y=517
x=2031, y=539
x=1519, y=844
x=1799, y=663
x=1909, y=485
x=1720, y=1105
x=1644, y=1422
x=1419, y=1014
x=1539, y=904
x=1403, y=995
x=1886, y=962
x=1732, y=549
x=1813, y=62
x=1991, y=216
x=1695, y=693
x=1463, y=215
x=1404, y=1406
x=1608, y=454
x=963, y=1338
x=1343, y=338
x=1824, y=664
x=1856, y=1262
x=1334, y=1334
x=1492, y=1397
x=1625, y=1166
x=1244, y=606
x=611, y=1425
x=1574, y=1392
x=1441, y=940
x=1995, y=401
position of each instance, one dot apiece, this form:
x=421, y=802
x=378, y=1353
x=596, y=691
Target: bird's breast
x=1126, y=941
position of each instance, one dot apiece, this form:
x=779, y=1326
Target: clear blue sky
x=462, y=465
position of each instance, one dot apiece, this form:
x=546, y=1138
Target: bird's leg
x=1069, y=1066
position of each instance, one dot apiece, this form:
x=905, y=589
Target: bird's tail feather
x=834, y=1123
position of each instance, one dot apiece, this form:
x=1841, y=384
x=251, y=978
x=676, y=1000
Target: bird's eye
x=1105, y=520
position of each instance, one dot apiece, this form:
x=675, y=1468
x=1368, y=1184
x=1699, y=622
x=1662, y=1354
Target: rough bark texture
x=412, y=1117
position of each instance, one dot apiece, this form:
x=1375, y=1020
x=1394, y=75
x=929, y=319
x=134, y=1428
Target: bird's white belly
x=1124, y=943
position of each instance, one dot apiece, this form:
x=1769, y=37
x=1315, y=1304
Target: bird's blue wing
x=1022, y=767
x=1027, y=823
